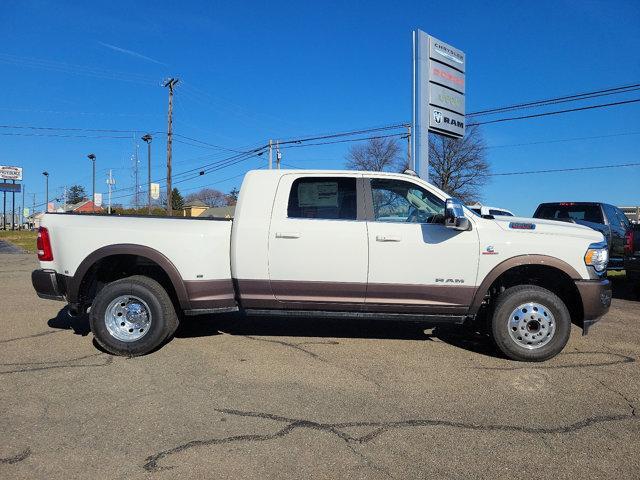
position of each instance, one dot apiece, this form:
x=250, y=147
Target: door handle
x=287, y=235
x=388, y=238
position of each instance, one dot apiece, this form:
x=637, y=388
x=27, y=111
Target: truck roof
x=275, y=174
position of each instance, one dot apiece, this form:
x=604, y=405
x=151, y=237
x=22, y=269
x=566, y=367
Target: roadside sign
x=439, y=87
x=50, y=207
x=155, y=191
x=97, y=201
x=10, y=173
x=10, y=187
x=25, y=212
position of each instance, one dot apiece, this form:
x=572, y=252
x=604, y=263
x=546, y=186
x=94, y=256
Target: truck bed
x=197, y=250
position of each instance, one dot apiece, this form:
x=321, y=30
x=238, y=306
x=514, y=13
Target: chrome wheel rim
x=127, y=318
x=531, y=325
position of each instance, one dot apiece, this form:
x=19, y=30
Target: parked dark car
x=608, y=219
x=632, y=257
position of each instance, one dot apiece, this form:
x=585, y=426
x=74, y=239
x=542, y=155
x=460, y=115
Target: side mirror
x=454, y=216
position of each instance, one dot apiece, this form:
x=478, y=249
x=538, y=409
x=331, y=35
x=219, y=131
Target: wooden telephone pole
x=170, y=83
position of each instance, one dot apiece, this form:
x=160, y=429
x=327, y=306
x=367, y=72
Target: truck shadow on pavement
x=63, y=321
x=331, y=329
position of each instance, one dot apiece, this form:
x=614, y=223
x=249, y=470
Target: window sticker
x=318, y=194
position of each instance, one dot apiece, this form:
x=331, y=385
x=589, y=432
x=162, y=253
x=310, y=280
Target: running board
x=209, y=311
x=409, y=317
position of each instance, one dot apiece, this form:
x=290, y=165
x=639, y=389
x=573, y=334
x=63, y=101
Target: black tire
x=511, y=299
x=164, y=320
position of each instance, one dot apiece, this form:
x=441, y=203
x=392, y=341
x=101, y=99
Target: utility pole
x=4, y=210
x=110, y=182
x=24, y=187
x=92, y=157
x=270, y=154
x=408, y=146
x=170, y=83
x=278, y=155
x=13, y=208
x=147, y=138
x=46, y=196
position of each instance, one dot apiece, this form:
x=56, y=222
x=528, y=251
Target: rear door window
x=329, y=198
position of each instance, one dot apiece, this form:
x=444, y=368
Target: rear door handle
x=388, y=238
x=287, y=235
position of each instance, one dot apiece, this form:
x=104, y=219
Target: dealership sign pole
x=438, y=96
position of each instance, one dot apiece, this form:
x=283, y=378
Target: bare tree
x=459, y=166
x=378, y=154
x=209, y=196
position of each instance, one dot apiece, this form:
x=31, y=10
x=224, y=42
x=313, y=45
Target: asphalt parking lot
x=263, y=398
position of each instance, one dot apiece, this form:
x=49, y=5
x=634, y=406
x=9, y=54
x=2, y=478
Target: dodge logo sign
x=437, y=116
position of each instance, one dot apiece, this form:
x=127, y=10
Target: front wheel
x=132, y=316
x=530, y=323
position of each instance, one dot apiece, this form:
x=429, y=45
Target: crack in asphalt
x=378, y=428
x=621, y=359
x=16, y=458
x=617, y=392
x=297, y=346
x=37, y=366
x=40, y=334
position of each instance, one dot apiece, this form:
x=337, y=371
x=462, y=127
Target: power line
x=73, y=129
x=20, y=134
x=344, y=134
x=205, y=143
x=402, y=135
x=563, y=140
x=575, y=169
x=557, y=112
x=75, y=69
x=566, y=98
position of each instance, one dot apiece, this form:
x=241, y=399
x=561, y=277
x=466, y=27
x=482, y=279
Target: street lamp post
x=147, y=138
x=92, y=157
x=46, y=202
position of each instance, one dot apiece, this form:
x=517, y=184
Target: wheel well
x=115, y=267
x=543, y=276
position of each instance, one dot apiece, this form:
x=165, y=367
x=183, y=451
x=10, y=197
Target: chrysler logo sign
x=448, y=52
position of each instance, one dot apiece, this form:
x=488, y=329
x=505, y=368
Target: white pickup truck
x=328, y=243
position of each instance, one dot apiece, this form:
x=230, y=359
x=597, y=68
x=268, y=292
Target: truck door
x=318, y=242
x=416, y=263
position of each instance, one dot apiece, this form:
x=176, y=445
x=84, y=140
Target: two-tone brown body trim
x=210, y=294
x=344, y=296
x=192, y=295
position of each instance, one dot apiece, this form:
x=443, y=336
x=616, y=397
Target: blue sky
x=252, y=71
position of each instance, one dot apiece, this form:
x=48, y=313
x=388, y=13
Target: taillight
x=628, y=242
x=43, y=244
